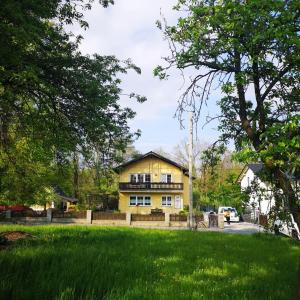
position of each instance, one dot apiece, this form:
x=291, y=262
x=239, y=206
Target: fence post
x=49, y=215
x=128, y=218
x=167, y=219
x=221, y=221
x=89, y=216
x=8, y=214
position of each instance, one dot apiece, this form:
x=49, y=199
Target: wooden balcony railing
x=150, y=186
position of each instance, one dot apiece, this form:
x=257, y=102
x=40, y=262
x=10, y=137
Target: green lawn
x=77, y=262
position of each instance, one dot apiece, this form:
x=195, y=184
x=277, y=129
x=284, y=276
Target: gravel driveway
x=242, y=228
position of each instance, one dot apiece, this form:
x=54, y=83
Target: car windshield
x=233, y=210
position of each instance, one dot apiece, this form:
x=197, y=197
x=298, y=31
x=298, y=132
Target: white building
x=261, y=199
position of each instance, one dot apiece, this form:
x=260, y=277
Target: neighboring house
x=248, y=176
x=62, y=201
x=152, y=182
x=262, y=200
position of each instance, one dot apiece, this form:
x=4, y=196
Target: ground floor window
x=166, y=200
x=140, y=200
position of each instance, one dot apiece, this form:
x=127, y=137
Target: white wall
x=267, y=202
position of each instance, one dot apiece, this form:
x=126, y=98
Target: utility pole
x=190, y=170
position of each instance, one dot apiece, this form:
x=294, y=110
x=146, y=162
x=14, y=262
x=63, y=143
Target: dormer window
x=166, y=178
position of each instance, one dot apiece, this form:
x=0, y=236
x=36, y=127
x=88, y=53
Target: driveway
x=242, y=228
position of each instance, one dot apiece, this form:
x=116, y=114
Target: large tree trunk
x=285, y=184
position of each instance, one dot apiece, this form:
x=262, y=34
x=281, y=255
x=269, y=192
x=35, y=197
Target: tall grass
x=76, y=262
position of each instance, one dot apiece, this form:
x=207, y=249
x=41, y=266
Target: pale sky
x=127, y=30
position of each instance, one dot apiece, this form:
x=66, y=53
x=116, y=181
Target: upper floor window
x=138, y=178
x=167, y=178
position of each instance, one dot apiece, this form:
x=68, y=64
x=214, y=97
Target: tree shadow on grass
x=84, y=263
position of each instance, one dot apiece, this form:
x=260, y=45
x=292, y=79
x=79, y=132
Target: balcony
x=134, y=186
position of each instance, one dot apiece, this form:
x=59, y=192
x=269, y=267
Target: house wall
x=155, y=167
x=155, y=202
x=267, y=201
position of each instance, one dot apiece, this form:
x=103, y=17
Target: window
x=178, y=202
x=147, y=201
x=140, y=178
x=166, y=200
x=167, y=178
x=147, y=178
x=133, y=178
x=132, y=201
x=140, y=200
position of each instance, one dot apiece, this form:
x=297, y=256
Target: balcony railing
x=150, y=186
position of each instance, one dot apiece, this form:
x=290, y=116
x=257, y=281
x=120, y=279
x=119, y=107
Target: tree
x=181, y=154
x=251, y=50
x=51, y=94
x=217, y=183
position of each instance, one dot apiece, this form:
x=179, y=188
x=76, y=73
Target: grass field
x=77, y=262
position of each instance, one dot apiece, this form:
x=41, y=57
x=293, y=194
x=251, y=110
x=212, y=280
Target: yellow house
x=152, y=182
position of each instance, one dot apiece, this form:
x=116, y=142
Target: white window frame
x=164, y=177
x=169, y=201
x=136, y=176
x=178, y=200
x=143, y=200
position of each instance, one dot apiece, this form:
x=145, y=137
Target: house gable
x=155, y=165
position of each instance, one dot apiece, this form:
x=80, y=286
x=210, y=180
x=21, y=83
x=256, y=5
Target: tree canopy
x=54, y=98
x=250, y=50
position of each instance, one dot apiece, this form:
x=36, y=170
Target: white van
x=234, y=217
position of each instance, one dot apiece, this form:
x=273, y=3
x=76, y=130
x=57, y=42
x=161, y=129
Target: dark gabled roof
x=152, y=154
x=67, y=199
x=255, y=167
x=60, y=193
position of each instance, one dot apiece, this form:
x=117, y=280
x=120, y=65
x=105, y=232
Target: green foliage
x=128, y=263
x=217, y=184
x=250, y=49
x=55, y=101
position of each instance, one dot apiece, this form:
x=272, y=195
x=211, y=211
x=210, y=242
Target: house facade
x=152, y=182
x=248, y=176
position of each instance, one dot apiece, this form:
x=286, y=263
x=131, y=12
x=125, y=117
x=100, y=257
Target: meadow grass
x=78, y=262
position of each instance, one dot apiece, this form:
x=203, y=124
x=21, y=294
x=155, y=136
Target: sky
x=128, y=30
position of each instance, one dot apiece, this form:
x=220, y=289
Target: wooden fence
x=263, y=220
x=213, y=220
x=178, y=218
x=156, y=217
x=98, y=215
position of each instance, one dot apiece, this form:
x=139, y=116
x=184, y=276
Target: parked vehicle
x=234, y=217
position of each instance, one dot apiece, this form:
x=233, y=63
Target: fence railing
x=150, y=186
x=156, y=217
x=178, y=218
x=69, y=214
x=97, y=215
x=87, y=217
